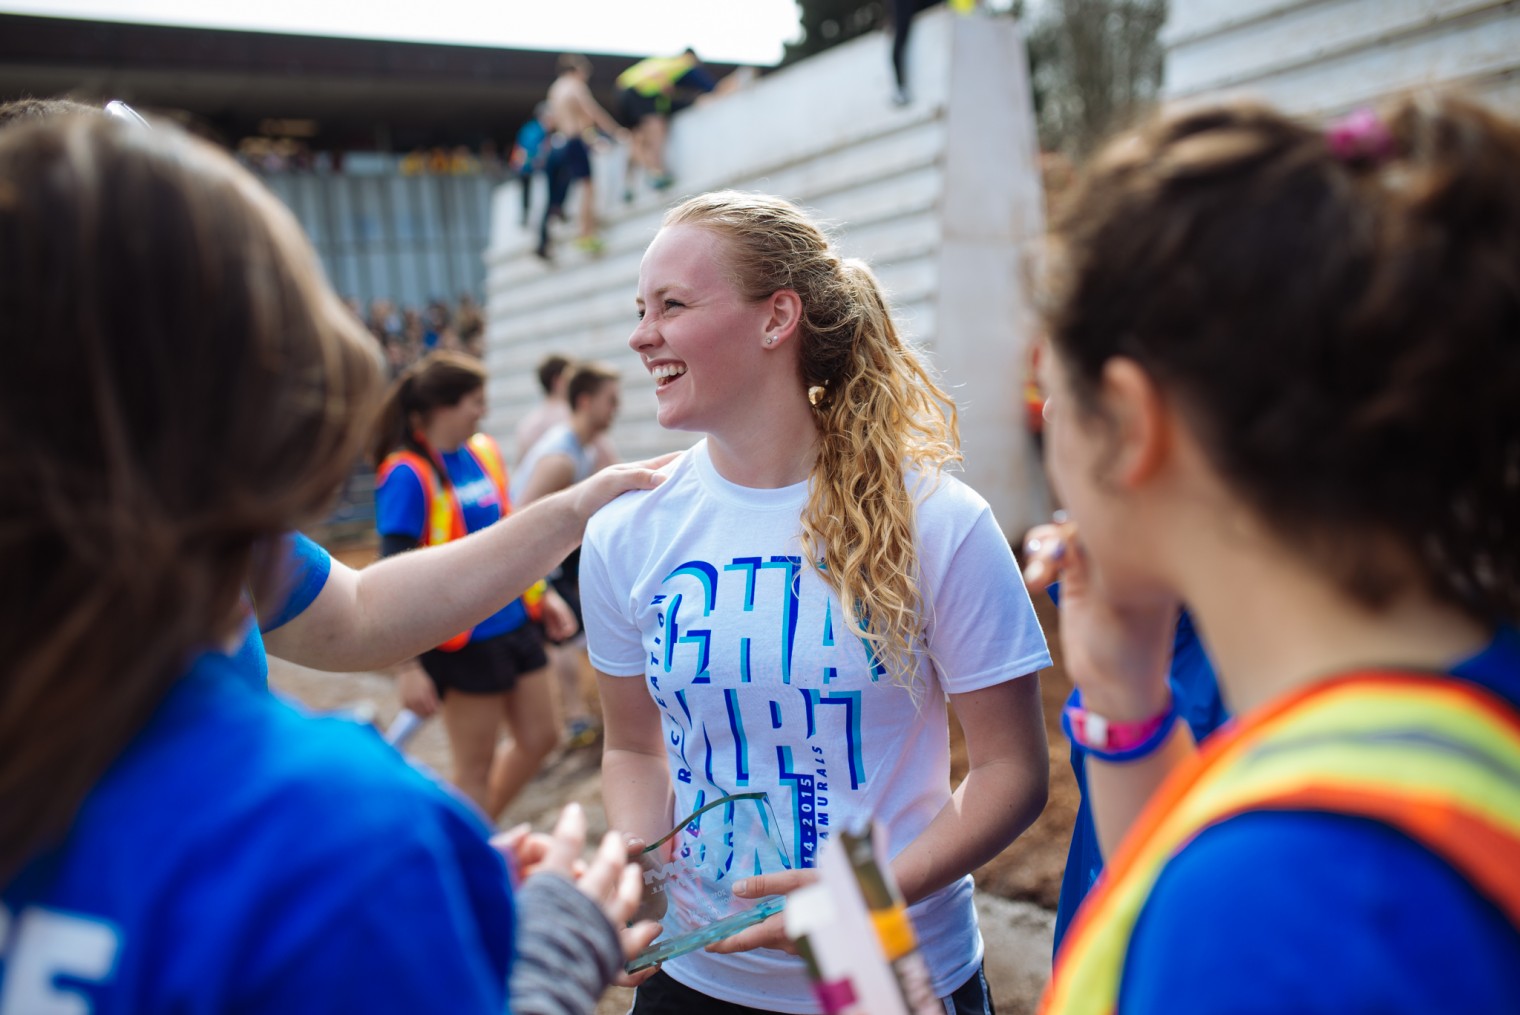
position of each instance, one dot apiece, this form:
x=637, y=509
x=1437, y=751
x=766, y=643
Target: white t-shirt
x=686, y=586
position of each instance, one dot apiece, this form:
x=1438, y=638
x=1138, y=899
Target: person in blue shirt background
x=172, y=837
x=1282, y=388
x=439, y=480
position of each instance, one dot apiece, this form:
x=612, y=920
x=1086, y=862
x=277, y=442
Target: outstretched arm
x=598, y=115
x=403, y=605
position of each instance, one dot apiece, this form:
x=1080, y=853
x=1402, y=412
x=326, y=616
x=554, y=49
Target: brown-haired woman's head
x=876, y=407
x=1336, y=315
x=181, y=386
x=436, y=386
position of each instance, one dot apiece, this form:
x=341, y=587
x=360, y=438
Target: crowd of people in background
x=406, y=334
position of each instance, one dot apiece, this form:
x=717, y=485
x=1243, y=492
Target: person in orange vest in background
x=1283, y=375
x=439, y=480
x=648, y=92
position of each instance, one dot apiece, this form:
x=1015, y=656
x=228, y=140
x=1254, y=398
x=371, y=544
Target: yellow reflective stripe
x=440, y=514
x=1425, y=744
x=652, y=76
x=488, y=457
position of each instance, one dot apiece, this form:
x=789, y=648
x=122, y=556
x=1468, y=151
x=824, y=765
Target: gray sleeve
x=567, y=951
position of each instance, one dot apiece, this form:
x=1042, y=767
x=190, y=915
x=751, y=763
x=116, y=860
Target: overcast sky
x=732, y=31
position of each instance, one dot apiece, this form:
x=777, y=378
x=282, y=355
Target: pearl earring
x=770, y=340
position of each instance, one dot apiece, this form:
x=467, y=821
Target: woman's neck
x=1275, y=623
x=442, y=443
x=769, y=450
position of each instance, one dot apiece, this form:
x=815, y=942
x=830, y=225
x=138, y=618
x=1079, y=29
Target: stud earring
x=770, y=340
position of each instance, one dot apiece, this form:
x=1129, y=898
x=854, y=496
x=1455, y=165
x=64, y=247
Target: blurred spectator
x=648, y=92
x=554, y=377
x=470, y=324
x=530, y=152
x=577, y=116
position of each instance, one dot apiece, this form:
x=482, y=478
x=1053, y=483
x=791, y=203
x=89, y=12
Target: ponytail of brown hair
x=1337, y=313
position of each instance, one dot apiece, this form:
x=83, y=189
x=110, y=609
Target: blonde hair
x=878, y=411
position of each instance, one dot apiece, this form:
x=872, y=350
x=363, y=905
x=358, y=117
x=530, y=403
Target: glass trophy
x=690, y=871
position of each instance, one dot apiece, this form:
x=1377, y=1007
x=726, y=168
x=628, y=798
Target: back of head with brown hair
x=33, y=110
x=1338, y=316
x=568, y=62
x=879, y=410
x=437, y=380
x=549, y=370
x=587, y=379
x=188, y=388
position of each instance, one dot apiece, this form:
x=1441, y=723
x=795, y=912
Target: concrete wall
x=382, y=234
x=1328, y=56
x=941, y=196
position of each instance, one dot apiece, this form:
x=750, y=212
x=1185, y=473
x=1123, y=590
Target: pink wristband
x=1097, y=733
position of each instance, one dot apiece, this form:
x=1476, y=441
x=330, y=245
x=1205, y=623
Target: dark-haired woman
x=1284, y=390
x=172, y=837
x=439, y=480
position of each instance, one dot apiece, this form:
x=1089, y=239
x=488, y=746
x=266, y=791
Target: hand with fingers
x=608, y=879
x=416, y=690
x=591, y=494
x=1116, y=649
x=771, y=932
x=559, y=619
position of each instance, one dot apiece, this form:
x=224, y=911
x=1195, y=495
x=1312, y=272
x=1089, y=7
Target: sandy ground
x=1016, y=891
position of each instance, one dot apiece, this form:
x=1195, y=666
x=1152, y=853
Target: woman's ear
x=1142, y=422
x=785, y=312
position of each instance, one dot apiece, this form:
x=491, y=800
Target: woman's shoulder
x=644, y=507
x=939, y=491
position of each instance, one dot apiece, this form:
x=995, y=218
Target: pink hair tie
x=1359, y=136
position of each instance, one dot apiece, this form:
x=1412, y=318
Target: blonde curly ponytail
x=878, y=409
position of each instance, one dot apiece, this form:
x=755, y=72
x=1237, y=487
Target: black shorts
x=566, y=580
x=663, y=994
x=487, y=667
x=633, y=107
x=569, y=160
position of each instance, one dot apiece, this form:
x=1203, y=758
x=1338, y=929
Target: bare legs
x=490, y=774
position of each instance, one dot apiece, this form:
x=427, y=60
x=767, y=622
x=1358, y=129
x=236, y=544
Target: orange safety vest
x=445, y=516
x=1431, y=756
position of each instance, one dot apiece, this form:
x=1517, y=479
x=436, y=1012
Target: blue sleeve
x=698, y=79
x=394, y=902
x=408, y=940
x=1316, y=913
x=307, y=566
x=399, y=504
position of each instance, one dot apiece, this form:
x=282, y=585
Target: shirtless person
x=575, y=114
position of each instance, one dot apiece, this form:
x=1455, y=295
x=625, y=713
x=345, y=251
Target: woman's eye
x=640, y=313
x=672, y=303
